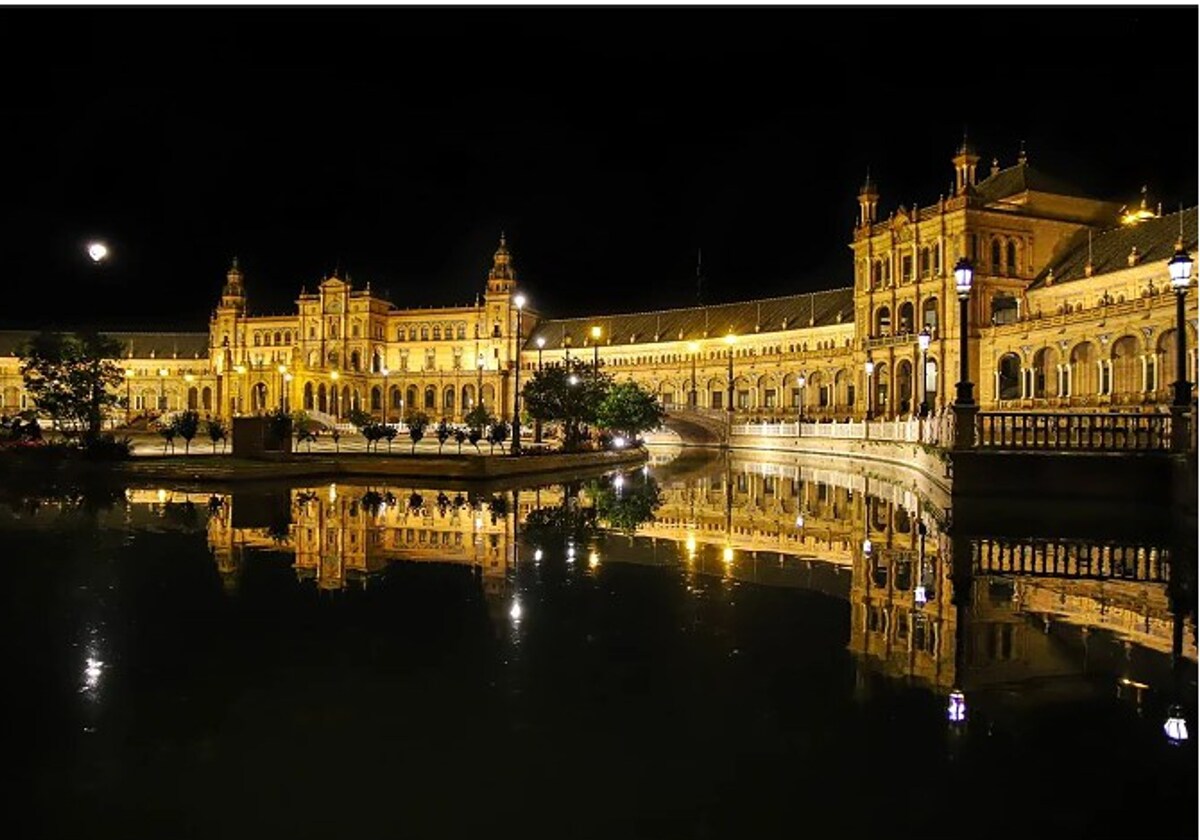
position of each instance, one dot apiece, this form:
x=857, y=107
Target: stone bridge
x=699, y=426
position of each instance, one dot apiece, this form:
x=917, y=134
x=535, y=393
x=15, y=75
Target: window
x=462, y=331
x=437, y=333
x=400, y=333
x=996, y=268
x=1011, y=264
x=769, y=398
x=924, y=262
x=424, y=333
x=906, y=268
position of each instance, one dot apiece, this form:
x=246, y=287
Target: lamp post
x=282, y=387
x=869, y=367
x=128, y=404
x=692, y=348
x=162, y=389
x=238, y=370
x=963, y=275
x=800, y=383
x=730, y=339
x=334, y=401
x=1180, y=269
x=595, y=349
x=189, y=379
x=519, y=302
x=384, y=371
x=923, y=342
x=287, y=385
x=479, y=363
x=537, y=423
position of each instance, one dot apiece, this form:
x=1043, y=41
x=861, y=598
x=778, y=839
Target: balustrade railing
x=930, y=430
x=1090, y=432
x=1056, y=558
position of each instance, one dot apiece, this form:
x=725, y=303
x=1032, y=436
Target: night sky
x=610, y=144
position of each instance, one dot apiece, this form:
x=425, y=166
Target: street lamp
x=692, y=348
x=537, y=423
x=334, y=402
x=923, y=342
x=162, y=389
x=1180, y=268
x=239, y=370
x=97, y=252
x=963, y=274
x=801, y=381
x=869, y=367
x=730, y=339
x=128, y=404
x=282, y=387
x=519, y=302
x=384, y=371
x=479, y=363
x=596, y=348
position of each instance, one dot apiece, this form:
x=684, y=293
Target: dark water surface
x=357, y=661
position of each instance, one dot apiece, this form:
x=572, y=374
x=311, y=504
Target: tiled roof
x=1020, y=178
x=1154, y=238
x=756, y=316
x=139, y=345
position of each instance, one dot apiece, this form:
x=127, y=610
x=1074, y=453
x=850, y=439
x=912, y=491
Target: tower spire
x=868, y=202
x=503, y=277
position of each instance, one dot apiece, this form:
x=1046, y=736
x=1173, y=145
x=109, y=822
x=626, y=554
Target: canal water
x=710, y=647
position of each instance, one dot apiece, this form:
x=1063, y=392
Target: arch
x=1045, y=373
x=905, y=317
x=258, y=397
x=883, y=380
x=394, y=399
x=349, y=403
x=376, y=362
x=487, y=396
x=468, y=397
x=1126, y=366
x=448, y=399
x=333, y=358
x=335, y=402
x=925, y=262
x=412, y=398
x=840, y=396
x=883, y=321
x=376, y=398
x=1010, y=262
x=258, y=339
x=308, y=396
x=287, y=337
x=355, y=360
x=929, y=315
x=1008, y=377
x=1084, y=376
x=322, y=399
x=430, y=402
x=278, y=337
x=930, y=391
x=904, y=386
x=193, y=398
x=997, y=268
x=206, y=399
x=314, y=359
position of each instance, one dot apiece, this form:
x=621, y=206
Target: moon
x=97, y=251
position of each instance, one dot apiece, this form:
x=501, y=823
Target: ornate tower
x=502, y=279
x=964, y=162
x=233, y=295
x=868, y=202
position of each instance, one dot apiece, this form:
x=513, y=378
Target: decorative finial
x=995, y=165
x=1022, y=158
x=235, y=263
x=1087, y=268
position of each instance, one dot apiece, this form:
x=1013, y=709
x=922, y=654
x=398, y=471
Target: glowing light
x=333, y=374
x=919, y=594
x=541, y=342
x=163, y=371
x=97, y=251
x=128, y=373
x=691, y=543
x=693, y=346
x=478, y=522
x=572, y=379
x=728, y=554
x=866, y=546
x=519, y=301
x=593, y=560
x=1176, y=726
x=869, y=367
x=570, y=554
x=189, y=378
x=618, y=442
x=92, y=673
x=619, y=482
x=515, y=612
x=162, y=496
x=537, y=555
x=239, y=369
x=595, y=333
x=384, y=371
x=646, y=470
x=799, y=520
x=332, y=493
x=287, y=377
x=956, y=712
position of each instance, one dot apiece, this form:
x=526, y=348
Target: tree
x=389, y=434
x=336, y=437
x=444, y=431
x=627, y=504
x=417, y=422
x=305, y=432
x=168, y=433
x=629, y=409
x=359, y=418
x=72, y=378
x=373, y=432
x=187, y=424
x=474, y=435
x=497, y=434
x=568, y=394
x=460, y=437
x=479, y=418
x=216, y=433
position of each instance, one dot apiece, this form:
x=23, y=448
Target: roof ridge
x=704, y=306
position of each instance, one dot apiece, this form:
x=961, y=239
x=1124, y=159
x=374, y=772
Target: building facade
x=1070, y=310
